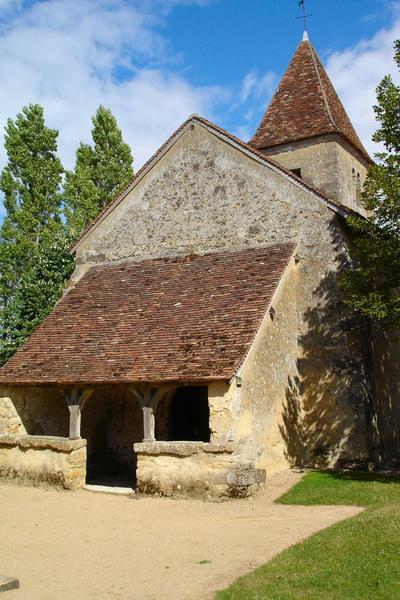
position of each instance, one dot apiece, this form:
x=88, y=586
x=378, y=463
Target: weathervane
x=304, y=16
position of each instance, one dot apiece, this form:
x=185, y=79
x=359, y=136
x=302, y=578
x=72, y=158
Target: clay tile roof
x=305, y=105
x=189, y=318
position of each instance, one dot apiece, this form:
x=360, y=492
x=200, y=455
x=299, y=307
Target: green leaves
x=38, y=289
x=42, y=221
x=373, y=289
x=31, y=185
x=100, y=173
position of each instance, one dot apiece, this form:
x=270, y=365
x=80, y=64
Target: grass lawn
x=357, y=559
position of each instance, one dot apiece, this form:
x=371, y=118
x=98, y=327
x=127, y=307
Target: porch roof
x=190, y=318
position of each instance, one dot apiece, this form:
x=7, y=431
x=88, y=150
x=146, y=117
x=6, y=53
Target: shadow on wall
x=386, y=349
x=39, y=410
x=327, y=404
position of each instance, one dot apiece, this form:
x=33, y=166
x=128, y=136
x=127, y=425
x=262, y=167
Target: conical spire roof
x=305, y=105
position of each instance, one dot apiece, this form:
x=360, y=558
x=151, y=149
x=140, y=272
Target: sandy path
x=81, y=545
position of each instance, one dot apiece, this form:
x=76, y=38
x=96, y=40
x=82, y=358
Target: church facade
x=202, y=343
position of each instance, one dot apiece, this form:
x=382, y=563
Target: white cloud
x=9, y=4
x=256, y=86
x=356, y=72
x=72, y=56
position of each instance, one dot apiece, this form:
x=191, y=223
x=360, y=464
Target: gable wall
x=203, y=196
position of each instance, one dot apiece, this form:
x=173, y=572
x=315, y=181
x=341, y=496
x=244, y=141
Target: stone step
x=108, y=489
x=8, y=583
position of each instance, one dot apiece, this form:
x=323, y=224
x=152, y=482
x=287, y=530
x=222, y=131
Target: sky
x=155, y=62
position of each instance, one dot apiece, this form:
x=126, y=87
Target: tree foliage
x=41, y=220
x=373, y=288
x=31, y=229
x=101, y=171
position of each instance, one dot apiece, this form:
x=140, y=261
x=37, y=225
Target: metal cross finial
x=304, y=16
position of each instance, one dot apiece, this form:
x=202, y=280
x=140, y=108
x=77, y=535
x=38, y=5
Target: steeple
x=305, y=106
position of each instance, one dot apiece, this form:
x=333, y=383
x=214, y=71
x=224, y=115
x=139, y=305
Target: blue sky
x=154, y=62
x=222, y=43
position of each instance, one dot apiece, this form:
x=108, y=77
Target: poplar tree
x=373, y=289
x=34, y=262
x=101, y=171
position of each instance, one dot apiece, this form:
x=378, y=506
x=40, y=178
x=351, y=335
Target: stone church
x=202, y=343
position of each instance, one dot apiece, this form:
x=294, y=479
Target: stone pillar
x=148, y=398
x=76, y=400
x=148, y=424
x=74, y=421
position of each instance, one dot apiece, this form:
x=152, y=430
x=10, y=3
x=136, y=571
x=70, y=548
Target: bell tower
x=307, y=130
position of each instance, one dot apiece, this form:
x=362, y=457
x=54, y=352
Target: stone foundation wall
x=43, y=460
x=195, y=469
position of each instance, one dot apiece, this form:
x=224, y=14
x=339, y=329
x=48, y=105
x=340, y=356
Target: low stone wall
x=43, y=459
x=195, y=469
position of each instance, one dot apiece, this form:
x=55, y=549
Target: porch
x=166, y=439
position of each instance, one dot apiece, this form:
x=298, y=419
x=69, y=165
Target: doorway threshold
x=109, y=489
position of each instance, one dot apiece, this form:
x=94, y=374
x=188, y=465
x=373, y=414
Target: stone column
x=148, y=398
x=76, y=400
x=74, y=421
x=148, y=424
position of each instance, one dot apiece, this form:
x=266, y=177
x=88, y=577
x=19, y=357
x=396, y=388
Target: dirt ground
x=82, y=545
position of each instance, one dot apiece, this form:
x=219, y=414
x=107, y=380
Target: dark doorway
x=111, y=424
x=188, y=415
x=105, y=466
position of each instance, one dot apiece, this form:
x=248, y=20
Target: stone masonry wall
x=43, y=460
x=266, y=383
x=204, y=196
x=35, y=411
x=292, y=411
x=194, y=469
x=327, y=163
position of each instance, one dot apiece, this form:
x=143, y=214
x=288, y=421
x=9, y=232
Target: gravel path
x=82, y=545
